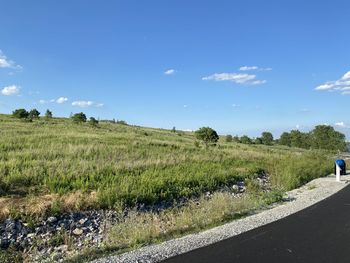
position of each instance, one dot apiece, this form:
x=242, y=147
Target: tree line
x=321, y=137
x=35, y=114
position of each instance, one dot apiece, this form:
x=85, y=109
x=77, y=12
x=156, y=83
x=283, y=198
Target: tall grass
x=125, y=165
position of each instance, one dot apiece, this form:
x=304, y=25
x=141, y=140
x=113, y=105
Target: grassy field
x=55, y=166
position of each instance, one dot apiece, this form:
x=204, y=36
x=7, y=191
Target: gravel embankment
x=296, y=200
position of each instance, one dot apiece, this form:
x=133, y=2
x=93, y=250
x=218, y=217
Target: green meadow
x=56, y=165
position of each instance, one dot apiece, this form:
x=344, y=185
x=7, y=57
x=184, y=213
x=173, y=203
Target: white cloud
x=86, y=104
x=61, y=100
x=239, y=78
x=6, y=63
x=170, y=72
x=341, y=85
x=341, y=124
x=247, y=68
x=10, y=90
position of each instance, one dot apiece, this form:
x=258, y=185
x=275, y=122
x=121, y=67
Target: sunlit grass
x=116, y=164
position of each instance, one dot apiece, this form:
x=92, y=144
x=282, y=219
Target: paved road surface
x=320, y=233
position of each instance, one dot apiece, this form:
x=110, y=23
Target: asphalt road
x=320, y=233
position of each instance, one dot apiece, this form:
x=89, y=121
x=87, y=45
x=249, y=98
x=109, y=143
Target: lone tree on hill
x=20, y=113
x=207, y=135
x=34, y=114
x=267, y=138
x=48, y=114
x=79, y=117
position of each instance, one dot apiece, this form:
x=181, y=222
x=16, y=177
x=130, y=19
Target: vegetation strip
x=69, y=169
x=296, y=200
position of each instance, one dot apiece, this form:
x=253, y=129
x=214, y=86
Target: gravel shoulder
x=295, y=200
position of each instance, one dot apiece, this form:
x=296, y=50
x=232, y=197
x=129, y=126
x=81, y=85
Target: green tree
x=79, y=117
x=48, y=114
x=258, y=140
x=34, y=114
x=325, y=137
x=267, y=138
x=300, y=139
x=207, y=135
x=228, y=138
x=285, y=139
x=245, y=139
x=173, y=129
x=20, y=113
x=93, y=122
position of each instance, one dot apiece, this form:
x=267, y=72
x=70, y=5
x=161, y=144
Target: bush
x=34, y=114
x=79, y=117
x=207, y=135
x=93, y=122
x=245, y=139
x=20, y=114
x=48, y=114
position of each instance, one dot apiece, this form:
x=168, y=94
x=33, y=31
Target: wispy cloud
x=61, y=100
x=341, y=85
x=256, y=68
x=10, y=90
x=7, y=63
x=239, y=78
x=86, y=104
x=170, y=72
x=341, y=124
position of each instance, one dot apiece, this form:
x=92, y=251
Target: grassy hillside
x=56, y=165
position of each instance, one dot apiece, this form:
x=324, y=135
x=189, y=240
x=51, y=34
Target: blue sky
x=241, y=67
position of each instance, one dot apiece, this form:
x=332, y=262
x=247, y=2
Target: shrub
x=93, y=122
x=79, y=117
x=48, y=114
x=245, y=139
x=20, y=114
x=34, y=114
x=207, y=135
